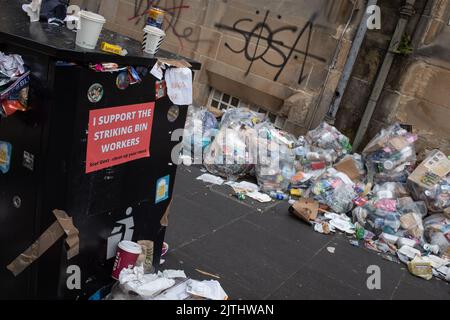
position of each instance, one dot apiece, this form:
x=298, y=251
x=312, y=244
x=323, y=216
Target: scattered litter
x=259, y=196
x=331, y=249
x=421, y=268
x=209, y=178
x=172, y=274
x=324, y=227
x=243, y=186
x=435, y=261
x=207, y=274
x=209, y=289
x=324, y=183
x=354, y=243
x=341, y=222
x=134, y=284
x=409, y=252
x=389, y=257
x=145, y=285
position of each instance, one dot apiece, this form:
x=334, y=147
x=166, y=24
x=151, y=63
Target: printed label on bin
x=118, y=135
x=162, y=189
x=5, y=156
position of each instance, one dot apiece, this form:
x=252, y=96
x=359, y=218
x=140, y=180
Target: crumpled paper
x=148, y=285
x=11, y=67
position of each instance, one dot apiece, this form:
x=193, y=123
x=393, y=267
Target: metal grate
x=224, y=101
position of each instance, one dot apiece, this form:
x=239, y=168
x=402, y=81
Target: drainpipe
x=349, y=64
x=406, y=11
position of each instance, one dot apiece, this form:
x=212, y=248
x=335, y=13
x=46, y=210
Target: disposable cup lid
x=154, y=30
x=130, y=246
x=92, y=16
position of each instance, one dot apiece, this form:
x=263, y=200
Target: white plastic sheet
x=179, y=85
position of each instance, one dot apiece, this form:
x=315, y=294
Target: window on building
x=223, y=101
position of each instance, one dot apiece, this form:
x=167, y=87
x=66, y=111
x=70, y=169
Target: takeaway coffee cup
x=91, y=24
x=153, y=38
x=126, y=257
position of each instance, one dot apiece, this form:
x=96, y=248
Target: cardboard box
x=306, y=209
x=349, y=167
x=435, y=167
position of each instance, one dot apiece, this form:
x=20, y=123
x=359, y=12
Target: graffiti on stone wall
x=173, y=9
x=262, y=39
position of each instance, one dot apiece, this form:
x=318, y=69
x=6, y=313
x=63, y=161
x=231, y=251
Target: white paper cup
x=91, y=25
x=153, y=38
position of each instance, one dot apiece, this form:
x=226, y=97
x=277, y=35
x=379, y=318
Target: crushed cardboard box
x=435, y=167
x=306, y=209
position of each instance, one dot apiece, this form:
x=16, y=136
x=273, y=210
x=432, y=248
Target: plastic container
x=91, y=25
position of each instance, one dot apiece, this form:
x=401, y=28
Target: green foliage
x=405, y=47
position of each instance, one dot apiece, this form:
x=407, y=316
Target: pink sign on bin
x=118, y=135
x=126, y=257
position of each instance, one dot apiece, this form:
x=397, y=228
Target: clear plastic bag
x=436, y=198
x=437, y=231
x=334, y=189
x=241, y=116
x=391, y=155
x=232, y=154
x=276, y=158
x=199, y=131
x=389, y=190
x=328, y=138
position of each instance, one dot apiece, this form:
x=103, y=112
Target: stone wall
x=273, y=54
x=417, y=90
x=255, y=50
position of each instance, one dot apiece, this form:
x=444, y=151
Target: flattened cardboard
x=436, y=164
x=348, y=166
x=399, y=142
x=175, y=63
x=62, y=225
x=306, y=209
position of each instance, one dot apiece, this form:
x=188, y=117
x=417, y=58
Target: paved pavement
x=259, y=251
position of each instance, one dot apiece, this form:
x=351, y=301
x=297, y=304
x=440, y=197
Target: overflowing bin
x=95, y=145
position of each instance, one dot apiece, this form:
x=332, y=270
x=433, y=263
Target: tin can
x=155, y=17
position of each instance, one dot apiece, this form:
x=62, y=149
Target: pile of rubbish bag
x=383, y=198
x=232, y=154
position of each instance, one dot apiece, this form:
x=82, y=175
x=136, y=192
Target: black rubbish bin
x=57, y=164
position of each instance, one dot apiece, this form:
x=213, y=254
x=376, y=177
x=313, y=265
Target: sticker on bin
x=160, y=89
x=162, y=189
x=5, y=156
x=118, y=135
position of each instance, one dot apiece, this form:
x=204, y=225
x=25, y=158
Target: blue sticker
x=5, y=156
x=162, y=189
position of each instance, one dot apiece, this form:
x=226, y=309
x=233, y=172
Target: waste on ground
x=135, y=284
x=383, y=199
